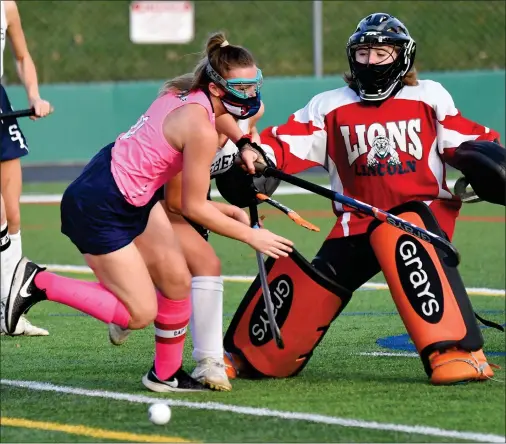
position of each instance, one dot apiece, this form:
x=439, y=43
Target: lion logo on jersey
x=382, y=148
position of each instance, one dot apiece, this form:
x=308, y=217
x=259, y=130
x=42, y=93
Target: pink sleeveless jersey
x=142, y=159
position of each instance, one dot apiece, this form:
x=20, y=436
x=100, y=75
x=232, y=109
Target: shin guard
x=305, y=304
x=430, y=297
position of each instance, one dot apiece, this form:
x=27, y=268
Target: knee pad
x=305, y=304
x=430, y=297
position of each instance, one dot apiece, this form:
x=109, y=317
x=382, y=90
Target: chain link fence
x=86, y=41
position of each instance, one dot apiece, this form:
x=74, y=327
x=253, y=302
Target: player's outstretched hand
x=42, y=108
x=269, y=243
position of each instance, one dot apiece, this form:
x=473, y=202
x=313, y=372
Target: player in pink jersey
x=113, y=214
x=206, y=323
x=384, y=139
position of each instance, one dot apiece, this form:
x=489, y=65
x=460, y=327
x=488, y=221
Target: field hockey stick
x=269, y=306
x=460, y=189
x=288, y=211
x=452, y=258
x=20, y=113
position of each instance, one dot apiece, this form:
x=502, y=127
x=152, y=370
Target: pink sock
x=89, y=297
x=170, y=331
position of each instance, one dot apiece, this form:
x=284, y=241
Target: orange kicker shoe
x=453, y=366
x=236, y=367
x=231, y=365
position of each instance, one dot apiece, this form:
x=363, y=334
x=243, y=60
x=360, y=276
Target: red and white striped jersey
x=383, y=154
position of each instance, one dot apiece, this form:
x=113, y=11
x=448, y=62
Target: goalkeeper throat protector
x=237, y=100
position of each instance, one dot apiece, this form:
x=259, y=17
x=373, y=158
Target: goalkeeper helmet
x=375, y=82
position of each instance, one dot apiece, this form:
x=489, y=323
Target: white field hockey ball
x=159, y=414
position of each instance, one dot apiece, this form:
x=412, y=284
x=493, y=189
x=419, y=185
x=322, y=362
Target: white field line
x=283, y=190
x=403, y=355
x=83, y=269
x=260, y=412
x=56, y=198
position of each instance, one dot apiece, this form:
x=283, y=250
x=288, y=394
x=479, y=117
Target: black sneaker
x=178, y=382
x=23, y=293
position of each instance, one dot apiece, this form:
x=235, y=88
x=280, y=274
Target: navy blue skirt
x=12, y=140
x=95, y=215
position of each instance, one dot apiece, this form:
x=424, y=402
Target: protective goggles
x=241, y=88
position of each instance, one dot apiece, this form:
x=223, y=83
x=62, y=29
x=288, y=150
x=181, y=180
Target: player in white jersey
x=206, y=323
x=13, y=147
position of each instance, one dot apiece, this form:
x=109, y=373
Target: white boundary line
x=283, y=190
x=83, y=269
x=261, y=412
x=403, y=355
x=56, y=198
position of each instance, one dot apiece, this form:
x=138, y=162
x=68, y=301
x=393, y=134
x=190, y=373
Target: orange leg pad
x=430, y=297
x=305, y=304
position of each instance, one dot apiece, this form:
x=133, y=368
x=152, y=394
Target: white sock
x=206, y=322
x=16, y=246
x=7, y=262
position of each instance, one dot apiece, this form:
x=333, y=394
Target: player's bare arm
x=227, y=126
x=173, y=190
x=199, y=149
x=24, y=63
